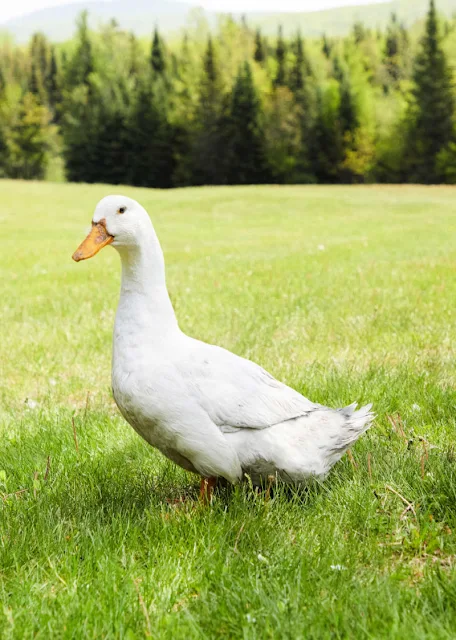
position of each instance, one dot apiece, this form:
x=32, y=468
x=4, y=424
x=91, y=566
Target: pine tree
x=185, y=51
x=206, y=157
x=296, y=82
x=283, y=135
x=109, y=145
x=431, y=111
x=209, y=64
x=327, y=152
x=35, y=85
x=39, y=49
x=95, y=135
x=82, y=64
x=303, y=88
x=2, y=84
x=326, y=47
x=157, y=55
x=82, y=112
x=4, y=155
x=260, y=53
x=394, y=46
x=281, y=75
x=247, y=162
x=349, y=130
x=134, y=65
x=337, y=71
x=348, y=114
x=79, y=129
x=301, y=69
x=64, y=61
x=150, y=140
x=4, y=151
x=359, y=32
x=53, y=86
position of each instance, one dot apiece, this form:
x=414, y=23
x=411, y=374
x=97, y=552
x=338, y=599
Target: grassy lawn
x=343, y=293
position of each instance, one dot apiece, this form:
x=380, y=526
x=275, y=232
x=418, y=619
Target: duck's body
x=208, y=410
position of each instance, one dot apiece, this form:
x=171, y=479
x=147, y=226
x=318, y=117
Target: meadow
x=344, y=293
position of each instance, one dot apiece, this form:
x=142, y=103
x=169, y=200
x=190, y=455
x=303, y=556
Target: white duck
x=210, y=411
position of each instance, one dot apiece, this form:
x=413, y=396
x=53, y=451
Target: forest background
x=229, y=104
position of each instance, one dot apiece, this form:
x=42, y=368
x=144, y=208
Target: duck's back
x=235, y=392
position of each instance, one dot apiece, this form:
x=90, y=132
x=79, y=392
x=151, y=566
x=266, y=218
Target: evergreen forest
x=232, y=106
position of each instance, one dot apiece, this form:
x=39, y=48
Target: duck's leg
x=267, y=496
x=207, y=489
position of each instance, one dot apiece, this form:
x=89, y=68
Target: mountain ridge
x=140, y=16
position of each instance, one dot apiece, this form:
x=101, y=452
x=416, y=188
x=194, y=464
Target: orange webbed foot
x=207, y=490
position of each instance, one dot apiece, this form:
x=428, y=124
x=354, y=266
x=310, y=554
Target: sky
x=20, y=7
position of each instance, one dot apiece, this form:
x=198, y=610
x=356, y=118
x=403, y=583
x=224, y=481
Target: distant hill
x=140, y=16
x=339, y=21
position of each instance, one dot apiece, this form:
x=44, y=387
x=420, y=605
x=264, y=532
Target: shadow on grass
x=102, y=470
x=45, y=469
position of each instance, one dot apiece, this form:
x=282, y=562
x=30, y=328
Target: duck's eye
x=121, y=209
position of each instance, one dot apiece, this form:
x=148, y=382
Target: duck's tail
x=355, y=424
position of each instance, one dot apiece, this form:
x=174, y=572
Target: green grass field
x=343, y=293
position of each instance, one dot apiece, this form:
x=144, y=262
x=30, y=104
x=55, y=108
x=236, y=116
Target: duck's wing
x=237, y=393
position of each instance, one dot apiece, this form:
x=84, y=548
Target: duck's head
x=117, y=220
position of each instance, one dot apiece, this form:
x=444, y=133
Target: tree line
x=232, y=106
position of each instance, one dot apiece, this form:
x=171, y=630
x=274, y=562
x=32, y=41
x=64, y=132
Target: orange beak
x=95, y=241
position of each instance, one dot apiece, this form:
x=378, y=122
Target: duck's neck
x=144, y=303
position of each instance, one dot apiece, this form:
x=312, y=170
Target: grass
x=345, y=294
